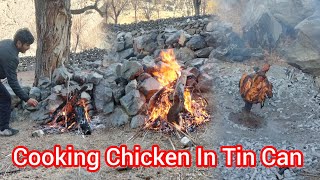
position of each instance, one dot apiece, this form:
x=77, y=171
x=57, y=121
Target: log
x=82, y=121
x=68, y=105
x=153, y=100
x=178, y=99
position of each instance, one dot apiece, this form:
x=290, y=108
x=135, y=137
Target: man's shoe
x=9, y=132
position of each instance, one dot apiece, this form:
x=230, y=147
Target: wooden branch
x=92, y=7
x=67, y=105
x=154, y=98
x=178, y=99
x=10, y=172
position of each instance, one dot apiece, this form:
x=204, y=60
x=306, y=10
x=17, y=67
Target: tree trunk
x=135, y=14
x=115, y=19
x=196, y=5
x=53, y=20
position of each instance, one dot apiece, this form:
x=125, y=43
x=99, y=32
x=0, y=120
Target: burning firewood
x=178, y=100
x=72, y=113
x=176, y=103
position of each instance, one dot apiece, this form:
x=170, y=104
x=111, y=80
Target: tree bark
x=196, y=5
x=53, y=20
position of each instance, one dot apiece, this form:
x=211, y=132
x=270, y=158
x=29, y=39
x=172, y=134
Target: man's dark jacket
x=9, y=61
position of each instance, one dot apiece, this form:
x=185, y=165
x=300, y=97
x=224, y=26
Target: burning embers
x=72, y=114
x=178, y=103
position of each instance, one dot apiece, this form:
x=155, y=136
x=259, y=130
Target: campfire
x=178, y=104
x=72, y=114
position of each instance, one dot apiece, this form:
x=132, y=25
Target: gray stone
x=126, y=54
x=89, y=86
x=150, y=86
x=128, y=40
x=205, y=82
x=102, y=95
x=304, y=53
x=170, y=30
x=53, y=102
x=118, y=92
x=211, y=26
x=186, y=142
x=262, y=29
x=193, y=71
x=16, y=115
x=145, y=44
x=137, y=121
x=40, y=115
x=204, y=53
x=180, y=37
x=191, y=31
x=57, y=89
x=131, y=69
x=111, y=57
x=207, y=68
x=113, y=71
x=44, y=82
x=35, y=93
x=197, y=63
x=184, y=38
x=241, y=54
x=45, y=93
x=196, y=42
x=132, y=85
x=37, y=133
x=94, y=78
x=108, y=107
x=119, y=45
x=61, y=76
x=219, y=53
x=173, y=38
x=184, y=54
x=85, y=95
x=80, y=77
x=133, y=102
x=143, y=77
x=161, y=40
x=119, y=117
x=120, y=35
x=148, y=64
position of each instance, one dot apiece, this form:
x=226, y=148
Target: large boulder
x=262, y=29
x=131, y=69
x=145, y=44
x=304, y=53
x=133, y=102
x=265, y=21
x=103, y=97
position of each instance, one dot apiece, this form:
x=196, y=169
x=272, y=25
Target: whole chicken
x=254, y=88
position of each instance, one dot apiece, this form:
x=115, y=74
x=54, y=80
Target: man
x=9, y=60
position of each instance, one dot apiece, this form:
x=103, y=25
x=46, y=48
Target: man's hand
x=32, y=102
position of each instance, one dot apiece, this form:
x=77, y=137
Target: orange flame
x=194, y=114
x=169, y=70
x=66, y=116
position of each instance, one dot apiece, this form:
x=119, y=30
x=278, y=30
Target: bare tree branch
x=92, y=7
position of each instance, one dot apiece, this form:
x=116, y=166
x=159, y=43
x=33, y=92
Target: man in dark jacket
x=9, y=60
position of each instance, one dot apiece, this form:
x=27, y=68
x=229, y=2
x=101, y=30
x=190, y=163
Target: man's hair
x=24, y=36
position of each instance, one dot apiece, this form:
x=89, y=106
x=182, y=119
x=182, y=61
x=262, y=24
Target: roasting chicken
x=255, y=88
